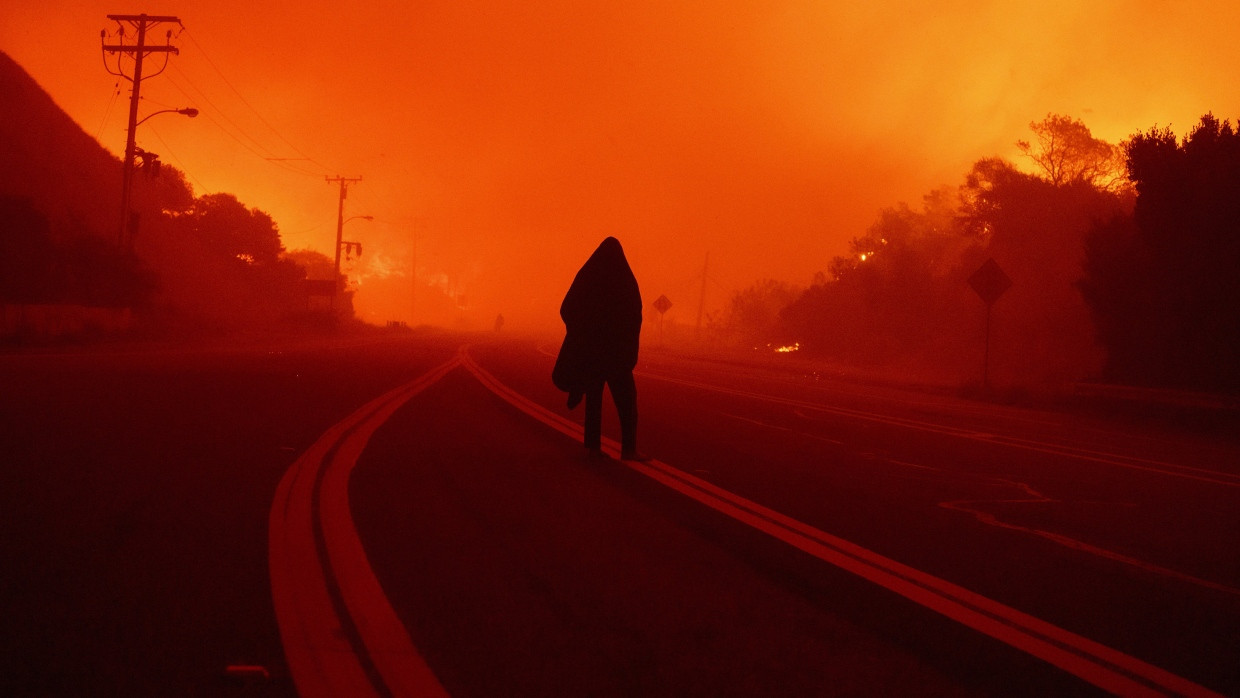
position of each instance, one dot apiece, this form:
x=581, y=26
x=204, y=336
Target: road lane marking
x=310, y=509
x=972, y=507
x=780, y=427
x=1161, y=467
x=1035, y=497
x=1094, y=662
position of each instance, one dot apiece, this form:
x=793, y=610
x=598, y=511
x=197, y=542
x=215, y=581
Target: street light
x=131, y=150
x=188, y=111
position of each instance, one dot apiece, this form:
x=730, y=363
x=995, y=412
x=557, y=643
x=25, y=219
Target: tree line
x=208, y=261
x=195, y=262
x=1122, y=258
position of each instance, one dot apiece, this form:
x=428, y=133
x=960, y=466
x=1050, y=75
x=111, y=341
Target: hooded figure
x=602, y=315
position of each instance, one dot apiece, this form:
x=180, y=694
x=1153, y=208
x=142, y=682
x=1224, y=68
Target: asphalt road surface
x=394, y=514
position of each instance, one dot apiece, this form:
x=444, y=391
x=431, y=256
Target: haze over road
x=140, y=485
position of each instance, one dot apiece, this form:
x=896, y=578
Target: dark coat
x=602, y=315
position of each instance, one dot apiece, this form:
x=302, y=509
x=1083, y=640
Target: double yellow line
x=341, y=636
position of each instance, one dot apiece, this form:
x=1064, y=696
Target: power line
x=246, y=102
x=266, y=157
x=204, y=97
x=173, y=155
x=107, y=112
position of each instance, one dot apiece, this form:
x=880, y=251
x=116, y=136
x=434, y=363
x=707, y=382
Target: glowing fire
x=795, y=346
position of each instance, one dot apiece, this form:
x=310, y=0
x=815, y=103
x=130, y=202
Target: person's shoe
x=635, y=456
x=596, y=454
x=574, y=399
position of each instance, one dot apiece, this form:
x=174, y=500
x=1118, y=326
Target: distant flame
x=796, y=346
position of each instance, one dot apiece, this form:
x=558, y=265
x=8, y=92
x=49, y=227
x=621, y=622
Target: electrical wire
x=203, y=96
x=172, y=154
x=246, y=102
x=251, y=148
x=156, y=102
x=107, y=112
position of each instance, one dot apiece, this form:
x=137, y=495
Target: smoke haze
x=504, y=142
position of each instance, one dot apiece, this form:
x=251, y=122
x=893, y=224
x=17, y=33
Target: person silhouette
x=602, y=314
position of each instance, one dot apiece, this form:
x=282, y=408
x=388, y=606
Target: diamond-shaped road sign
x=662, y=304
x=989, y=281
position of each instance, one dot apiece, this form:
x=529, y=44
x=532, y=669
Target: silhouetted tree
x=1066, y=153
x=887, y=295
x=1118, y=268
x=1184, y=241
x=317, y=265
x=901, y=292
x=753, y=314
x=226, y=227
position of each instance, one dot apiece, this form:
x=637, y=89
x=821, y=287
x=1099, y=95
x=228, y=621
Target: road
x=796, y=534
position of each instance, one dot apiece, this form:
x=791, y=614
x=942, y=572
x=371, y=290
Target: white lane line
x=779, y=427
x=1163, y=468
x=971, y=507
x=321, y=657
x=1094, y=662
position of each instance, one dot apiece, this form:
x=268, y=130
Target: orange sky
x=510, y=138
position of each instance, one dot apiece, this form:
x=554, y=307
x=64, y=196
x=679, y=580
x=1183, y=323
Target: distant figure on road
x=499, y=322
x=602, y=314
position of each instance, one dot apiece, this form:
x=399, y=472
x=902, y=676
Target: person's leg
x=624, y=393
x=594, y=416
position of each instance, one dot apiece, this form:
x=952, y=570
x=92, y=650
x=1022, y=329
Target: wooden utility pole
x=344, y=193
x=702, y=300
x=137, y=51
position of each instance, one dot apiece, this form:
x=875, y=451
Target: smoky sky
x=508, y=139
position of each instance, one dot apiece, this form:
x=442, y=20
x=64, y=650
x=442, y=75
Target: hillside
x=190, y=265
x=47, y=157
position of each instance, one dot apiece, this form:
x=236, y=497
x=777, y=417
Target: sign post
x=989, y=282
x=661, y=304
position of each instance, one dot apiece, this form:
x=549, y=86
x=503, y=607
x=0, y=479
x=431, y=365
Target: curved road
x=790, y=538
x=387, y=515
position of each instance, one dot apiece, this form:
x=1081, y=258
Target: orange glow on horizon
x=500, y=144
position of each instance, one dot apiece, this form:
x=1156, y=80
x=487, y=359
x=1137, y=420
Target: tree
x=1065, y=152
x=901, y=295
x=1123, y=303
x=754, y=313
x=1187, y=231
x=318, y=266
x=228, y=228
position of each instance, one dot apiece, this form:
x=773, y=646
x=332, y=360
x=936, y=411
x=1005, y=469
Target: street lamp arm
x=188, y=111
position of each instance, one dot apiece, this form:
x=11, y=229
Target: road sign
x=662, y=304
x=990, y=282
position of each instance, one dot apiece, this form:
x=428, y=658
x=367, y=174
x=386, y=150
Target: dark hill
x=46, y=157
x=188, y=265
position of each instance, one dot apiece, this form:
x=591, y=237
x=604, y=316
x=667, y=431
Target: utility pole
x=419, y=223
x=702, y=300
x=137, y=51
x=344, y=193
